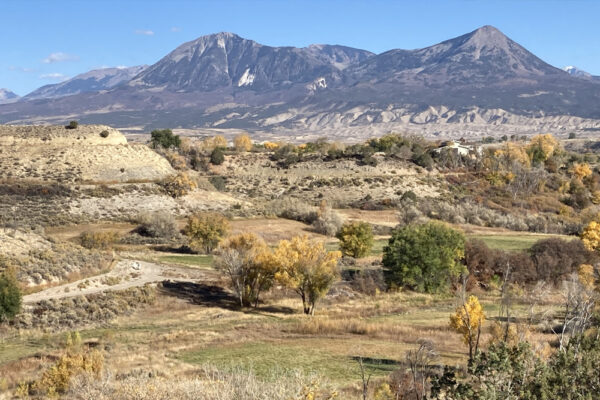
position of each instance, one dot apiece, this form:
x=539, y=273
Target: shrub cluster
x=75, y=312
x=550, y=260
x=179, y=185
x=158, y=225
x=98, y=240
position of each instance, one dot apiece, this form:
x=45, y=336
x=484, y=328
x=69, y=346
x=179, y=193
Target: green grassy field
x=199, y=261
x=513, y=242
x=333, y=358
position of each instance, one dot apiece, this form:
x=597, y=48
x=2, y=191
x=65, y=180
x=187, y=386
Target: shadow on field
x=272, y=309
x=215, y=296
x=379, y=364
x=198, y=293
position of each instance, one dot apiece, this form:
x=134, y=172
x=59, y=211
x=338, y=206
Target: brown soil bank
x=89, y=153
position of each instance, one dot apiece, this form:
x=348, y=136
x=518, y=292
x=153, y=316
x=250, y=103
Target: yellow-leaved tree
x=205, y=230
x=467, y=320
x=581, y=171
x=271, y=145
x=242, y=142
x=542, y=147
x=587, y=276
x=512, y=153
x=249, y=264
x=179, y=185
x=591, y=236
x=211, y=143
x=308, y=268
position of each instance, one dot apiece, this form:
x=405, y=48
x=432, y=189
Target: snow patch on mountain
x=574, y=71
x=247, y=78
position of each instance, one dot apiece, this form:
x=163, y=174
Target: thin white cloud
x=59, y=57
x=146, y=32
x=54, y=76
x=20, y=69
x=175, y=29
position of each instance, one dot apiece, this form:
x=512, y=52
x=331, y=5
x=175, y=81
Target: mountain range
x=223, y=81
x=92, y=81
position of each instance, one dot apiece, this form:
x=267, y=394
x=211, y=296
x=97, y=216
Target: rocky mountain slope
x=478, y=82
x=226, y=60
x=92, y=81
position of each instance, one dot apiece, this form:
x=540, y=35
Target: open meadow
x=377, y=271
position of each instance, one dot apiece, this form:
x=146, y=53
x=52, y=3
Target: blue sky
x=44, y=41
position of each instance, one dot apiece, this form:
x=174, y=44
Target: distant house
x=459, y=148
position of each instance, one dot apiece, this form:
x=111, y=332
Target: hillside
x=53, y=153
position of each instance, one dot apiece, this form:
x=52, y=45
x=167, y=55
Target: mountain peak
x=488, y=36
x=7, y=96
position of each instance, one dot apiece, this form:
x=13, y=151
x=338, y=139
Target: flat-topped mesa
x=87, y=154
x=54, y=135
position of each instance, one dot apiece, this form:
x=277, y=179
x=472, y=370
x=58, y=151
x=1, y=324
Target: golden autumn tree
x=542, y=147
x=271, y=146
x=586, y=276
x=179, y=185
x=249, y=264
x=205, y=230
x=211, y=143
x=581, y=171
x=591, y=235
x=467, y=320
x=308, y=268
x=511, y=153
x=242, y=142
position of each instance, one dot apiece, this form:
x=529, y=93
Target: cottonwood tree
x=424, y=257
x=249, y=264
x=308, y=268
x=242, y=142
x=356, y=239
x=591, y=235
x=542, y=147
x=467, y=320
x=205, y=230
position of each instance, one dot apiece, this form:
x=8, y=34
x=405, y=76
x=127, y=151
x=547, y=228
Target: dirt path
x=126, y=274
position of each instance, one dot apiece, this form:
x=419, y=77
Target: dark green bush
x=164, y=138
x=219, y=182
x=10, y=295
x=424, y=257
x=217, y=157
x=72, y=125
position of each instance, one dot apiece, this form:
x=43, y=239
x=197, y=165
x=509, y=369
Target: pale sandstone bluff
x=87, y=154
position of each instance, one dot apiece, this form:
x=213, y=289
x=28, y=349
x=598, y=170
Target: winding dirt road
x=126, y=274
